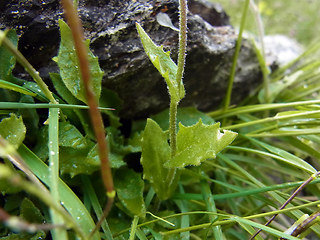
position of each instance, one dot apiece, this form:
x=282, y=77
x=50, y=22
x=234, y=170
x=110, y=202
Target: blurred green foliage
x=296, y=19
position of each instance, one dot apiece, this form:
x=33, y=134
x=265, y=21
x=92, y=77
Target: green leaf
x=7, y=60
x=129, y=187
x=13, y=130
x=198, y=143
x=30, y=212
x=155, y=152
x=69, y=66
x=69, y=136
x=164, y=64
x=285, y=156
x=69, y=98
x=74, y=161
x=117, y=149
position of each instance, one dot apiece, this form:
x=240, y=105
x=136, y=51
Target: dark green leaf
x=7, y=60
x=129, y=187
x=69, y=98
x=155, y=152
x=13, y=130
x=30, y=212
x=164, y=64
x=74, y=161
x=116, y=147
x=69, y=66
x=198, y=143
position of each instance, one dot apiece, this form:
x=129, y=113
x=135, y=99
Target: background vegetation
x=297, y=19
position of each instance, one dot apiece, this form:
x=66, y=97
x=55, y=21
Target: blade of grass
x=227, y=99
x=219, y=114
x=265, y=228
x=68, y=198
x=223, y=222
x=185, y=220
x=16, y=88
x=88, y=188
x=211, y=207
x=53, y=147
x=13, y=105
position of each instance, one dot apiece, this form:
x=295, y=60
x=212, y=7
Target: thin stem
x=182, y=41
x=173, y=127
x=96, y=118
x=134, y=227
x=265, y=71
x=235, y=57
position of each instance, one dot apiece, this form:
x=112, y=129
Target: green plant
x=229, y=197
x=191, y=145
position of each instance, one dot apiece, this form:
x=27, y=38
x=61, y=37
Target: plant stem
x=96, y=118
x=181, y=62
x=235, y=57
x=182, y=41
x=173, y=127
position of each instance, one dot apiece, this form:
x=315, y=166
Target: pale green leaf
x=13, y=130
x=129, y=187
x=164, y=64
x=69, y=66
x=285, y=156
x=198, y=143
x=155, y=152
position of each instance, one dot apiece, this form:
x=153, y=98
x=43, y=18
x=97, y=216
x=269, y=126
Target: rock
x=281, y=50
x=110, y=25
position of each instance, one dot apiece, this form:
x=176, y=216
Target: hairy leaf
x=69, y=66
x=155, y=152
x=198, y=143
x=129, y=187
x=162, y=61
x=13, y=130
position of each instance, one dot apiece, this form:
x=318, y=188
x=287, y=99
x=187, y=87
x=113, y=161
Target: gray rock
x=110, y=25
x=280, y=50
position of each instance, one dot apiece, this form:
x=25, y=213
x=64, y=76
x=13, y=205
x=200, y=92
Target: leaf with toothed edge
x=199, y=142
x=164, y=64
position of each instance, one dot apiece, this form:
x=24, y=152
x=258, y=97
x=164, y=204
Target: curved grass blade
x=68, y=199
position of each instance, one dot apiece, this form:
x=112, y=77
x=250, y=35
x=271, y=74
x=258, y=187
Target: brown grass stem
x=95, y=115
